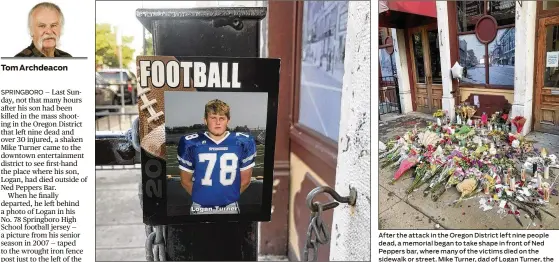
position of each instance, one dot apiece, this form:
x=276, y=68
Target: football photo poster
x=207, y=134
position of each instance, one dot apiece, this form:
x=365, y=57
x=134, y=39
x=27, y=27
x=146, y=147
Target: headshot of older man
x=45, y=22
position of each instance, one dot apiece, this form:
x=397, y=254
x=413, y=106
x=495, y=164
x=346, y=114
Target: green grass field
x=173, y=168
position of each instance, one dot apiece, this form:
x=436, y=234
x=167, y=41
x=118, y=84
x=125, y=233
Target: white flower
x=553, y=158
x=381, y=146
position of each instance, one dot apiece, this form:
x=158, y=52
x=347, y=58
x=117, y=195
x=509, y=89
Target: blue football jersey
x=216, y=165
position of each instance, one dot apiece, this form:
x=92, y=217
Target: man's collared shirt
x=32, y=51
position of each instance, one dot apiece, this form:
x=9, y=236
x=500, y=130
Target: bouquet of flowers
x=518, y=122
x=439, y=184
x=439, y=114
x=465, y=111
x=488, y=183
x=470, y=111
x=419, y=173
x=393, y=155
x=463, y=133
x=426, y=172
x=496, y=135
x=500, y=119
x=405, y=166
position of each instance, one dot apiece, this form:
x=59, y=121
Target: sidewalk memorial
x=207, y=134
x=482, y=158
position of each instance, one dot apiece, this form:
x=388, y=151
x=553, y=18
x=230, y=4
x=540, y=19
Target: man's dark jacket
x=32, y=51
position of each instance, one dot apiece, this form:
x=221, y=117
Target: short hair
x=45, y=5
x=217, y=106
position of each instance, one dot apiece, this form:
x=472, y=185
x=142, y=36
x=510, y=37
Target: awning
x=406, y=14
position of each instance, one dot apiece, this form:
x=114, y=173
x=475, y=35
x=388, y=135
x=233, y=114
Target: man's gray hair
x=46, y=5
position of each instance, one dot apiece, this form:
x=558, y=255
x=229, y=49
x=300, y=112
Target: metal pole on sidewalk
x=121, y=84
x=225, y=32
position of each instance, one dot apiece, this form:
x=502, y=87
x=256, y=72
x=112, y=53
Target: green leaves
x=106, y=49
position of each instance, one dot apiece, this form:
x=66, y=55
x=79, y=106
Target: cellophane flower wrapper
x=519, y=122
x=405, y=166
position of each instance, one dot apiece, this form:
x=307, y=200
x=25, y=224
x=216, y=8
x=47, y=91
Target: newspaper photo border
x=255, y=75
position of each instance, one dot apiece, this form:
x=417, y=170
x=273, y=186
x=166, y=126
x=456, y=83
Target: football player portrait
x=216, y=165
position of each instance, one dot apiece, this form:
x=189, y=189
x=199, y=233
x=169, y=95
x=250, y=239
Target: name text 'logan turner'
x=213, y=74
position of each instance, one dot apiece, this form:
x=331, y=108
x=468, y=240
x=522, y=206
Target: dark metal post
x=232, y=32
x=396, y=85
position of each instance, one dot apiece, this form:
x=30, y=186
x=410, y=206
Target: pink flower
x=484, y=119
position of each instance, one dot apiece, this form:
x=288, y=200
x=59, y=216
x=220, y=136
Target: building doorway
x=423, y=47
x=546, y=106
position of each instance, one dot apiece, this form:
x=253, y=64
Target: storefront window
x=551, y=73
x=501, y=59
x=472, y=58
x=502, y=11
x=435, y=59
x=418, y=54
x=468, y=13
x=489, y=64
x=322, y=66
x=550, y=4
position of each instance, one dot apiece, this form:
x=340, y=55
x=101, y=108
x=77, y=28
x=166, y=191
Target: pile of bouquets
x=474, y=160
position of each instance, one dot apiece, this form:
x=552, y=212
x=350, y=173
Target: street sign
x=207, y=131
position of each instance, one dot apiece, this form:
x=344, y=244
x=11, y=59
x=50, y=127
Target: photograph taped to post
x=207, y=133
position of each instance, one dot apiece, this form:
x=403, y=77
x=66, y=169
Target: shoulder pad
x=191, y=139
x=243, y=137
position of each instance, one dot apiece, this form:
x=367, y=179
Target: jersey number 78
x=227, y=172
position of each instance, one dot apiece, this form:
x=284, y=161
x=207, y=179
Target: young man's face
x=46, y=28
x=217, y=123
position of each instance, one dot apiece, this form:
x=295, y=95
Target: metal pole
x=144, y=42
x=121, y=84
x=397, y=91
